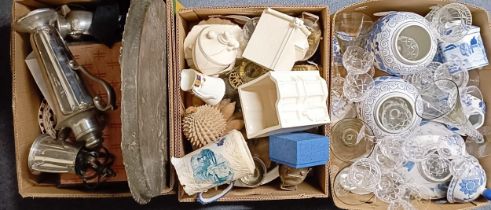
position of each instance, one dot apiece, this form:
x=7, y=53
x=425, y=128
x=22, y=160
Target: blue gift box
x=299, y=150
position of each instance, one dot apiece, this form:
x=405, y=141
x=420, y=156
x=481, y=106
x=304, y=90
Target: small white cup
x=473, y=105
x=210, y=89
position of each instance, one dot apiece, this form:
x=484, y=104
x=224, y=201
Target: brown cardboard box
x=314, y=187
x=422, y=7
x=25, y=102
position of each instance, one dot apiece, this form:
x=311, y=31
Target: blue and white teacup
x=468, y=187
x=473, y=105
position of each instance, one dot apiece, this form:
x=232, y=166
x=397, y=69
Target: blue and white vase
x=386, y=42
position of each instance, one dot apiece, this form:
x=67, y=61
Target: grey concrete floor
x=10, y=199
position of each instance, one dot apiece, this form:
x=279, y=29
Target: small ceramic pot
x=210, y=89
x=213, y=48
x=388, y=41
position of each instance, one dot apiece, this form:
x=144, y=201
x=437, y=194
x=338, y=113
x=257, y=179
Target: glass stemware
x=435, y=168
x=364, y=174
x=391, y=187
x=442, y=103
x=357, y=60
x=452, y=22
x=453, y=70
x=352, y=28
x=424, y=79
x=351, y=139
x=356, y=86
x=345, y=192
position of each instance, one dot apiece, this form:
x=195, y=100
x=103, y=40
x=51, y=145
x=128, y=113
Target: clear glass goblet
x=391, y=187
x=452, y=22
x=364, y=174
x=441, y=103
x=435, y=168
x=425, y=78
x=351, y=139
x=356, y=86
x=357, y=60
x=352, y=28
x=453, y=70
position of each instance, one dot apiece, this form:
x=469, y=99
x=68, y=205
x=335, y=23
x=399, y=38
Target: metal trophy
x=59, y=81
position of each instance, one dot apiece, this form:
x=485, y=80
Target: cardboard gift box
x=422, y=7
x=315, y=186
x=27, y=98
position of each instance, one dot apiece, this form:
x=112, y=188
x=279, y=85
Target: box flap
x=144, y=99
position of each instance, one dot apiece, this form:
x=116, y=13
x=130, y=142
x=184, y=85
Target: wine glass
x=391, y=187
x=364, y=174
x=442, y=103
x=453, y=70
x=352, y=28
x=357, y=60
x=452, y=22
x=425, y=78
x=351, y=139
x=356, y=86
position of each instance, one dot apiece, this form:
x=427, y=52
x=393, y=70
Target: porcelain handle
x=204, y=200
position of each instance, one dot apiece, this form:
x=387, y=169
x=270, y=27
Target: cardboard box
x=25, y=101
x=422, y=7
x=314, y=187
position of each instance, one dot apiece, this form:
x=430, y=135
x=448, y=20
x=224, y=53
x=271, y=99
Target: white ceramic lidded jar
x=403, y=43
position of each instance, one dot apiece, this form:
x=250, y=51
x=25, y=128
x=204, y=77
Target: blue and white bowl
x=383, y=41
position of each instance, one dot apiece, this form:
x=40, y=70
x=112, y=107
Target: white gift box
x=278, y=41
